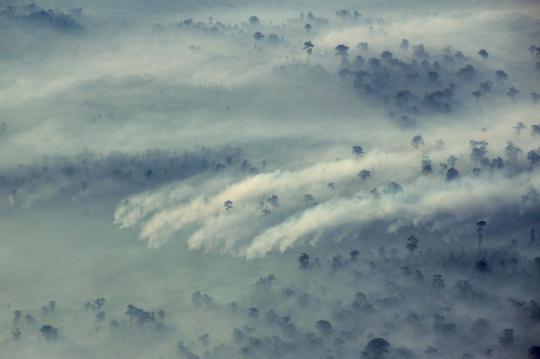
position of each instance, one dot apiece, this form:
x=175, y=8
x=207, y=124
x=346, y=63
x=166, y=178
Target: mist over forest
x=222, y=179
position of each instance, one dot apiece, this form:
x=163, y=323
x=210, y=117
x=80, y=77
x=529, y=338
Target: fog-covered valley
x=245, y=179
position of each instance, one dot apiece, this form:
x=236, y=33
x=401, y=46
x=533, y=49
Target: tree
x=374, y=63
x=308, y=47
x=363, y=46
x=337, y=262
x=376, y=349
x=426, y=166
x=273, y=39
x=253, y=20
x=49, y=308
x=204, y=340
x=273, y=200
x=258, y=36
x=452, y=174
x=393, y=188
x=253, y=312
x=361, y=303
x=16, y=316
x=308, y=27
x=533, y=157
x=438, y=282
x=265, y=282
x=433, y=76
x=412, y=244
x=100, y=316
x=358, y=151
x=477, y=95
x=266, y=211
x=303, y=260
x=417, y=141
x=534, y=352
x=94, y=305
x=324, y=327
x=29, y=319
x=386, y=55
x=404, y=44
x=483, y=53
x=16, y=334
x=496, y=162
x=500, y=75
x=507, y=337
x=420, y=52
x=184, y=351
x=512, y=92
x=342, y=50
x=139, y=315
x=480, y=326
x=439, y=144
x=49, y=332
x=480, y=225
x=512, y=151
x=442, y=326
x=486, y=86
x=342, y=13
x=478, y=150
x=468, y=72
x=308, y=197
x=364, y=174
x=228, y=204
x=201, y=299
x=481, y=266
x=519, y=126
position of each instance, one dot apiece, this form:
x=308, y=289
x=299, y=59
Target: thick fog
x=269, y=179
